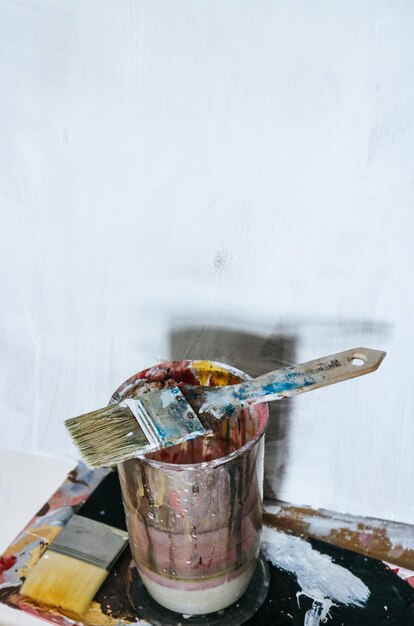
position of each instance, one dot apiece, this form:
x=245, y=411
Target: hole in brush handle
x=357, y=360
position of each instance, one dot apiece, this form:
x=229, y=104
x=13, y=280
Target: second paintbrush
x=164, y=418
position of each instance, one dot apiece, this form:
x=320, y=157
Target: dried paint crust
x=392, y=542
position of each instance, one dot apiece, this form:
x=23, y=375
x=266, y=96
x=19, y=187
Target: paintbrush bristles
x=90, y=434
x=63, y=582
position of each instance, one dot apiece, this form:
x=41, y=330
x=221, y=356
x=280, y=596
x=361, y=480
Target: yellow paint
x=46, y=533
x=159, y=490
x=49, y=533
x=203, y=372
x=206, y=371
x=92, y=617
x=64, y=582
x=140, y=488
x=35, y=555
x=95, y=617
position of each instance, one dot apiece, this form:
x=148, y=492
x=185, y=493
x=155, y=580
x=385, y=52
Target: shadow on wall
x=254, y=354
x=264, y=351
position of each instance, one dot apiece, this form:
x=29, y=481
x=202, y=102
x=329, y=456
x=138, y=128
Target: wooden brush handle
x=291, y=380
x=322, y=372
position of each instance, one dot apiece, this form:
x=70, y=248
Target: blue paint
x=282, y=387
x=161, y=432
x=229, y=409
x=278, y=387
x=243, y=393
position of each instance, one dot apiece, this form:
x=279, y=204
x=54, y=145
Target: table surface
x=26, y=482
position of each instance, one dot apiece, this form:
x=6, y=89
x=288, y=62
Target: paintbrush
x=134, y=427
x=75, y=565
x=214, y=403
x=163, y=418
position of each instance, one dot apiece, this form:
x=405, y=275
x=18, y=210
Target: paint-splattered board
x=382, y=539
x=290, y=602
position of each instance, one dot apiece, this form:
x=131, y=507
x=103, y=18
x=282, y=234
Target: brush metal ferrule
x=90, y=541
x=166, y=417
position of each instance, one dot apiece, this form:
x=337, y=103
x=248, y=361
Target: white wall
x=212, y=165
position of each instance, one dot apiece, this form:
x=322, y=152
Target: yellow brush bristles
x=63, y=582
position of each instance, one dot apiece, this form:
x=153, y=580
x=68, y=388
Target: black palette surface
x=391, y=601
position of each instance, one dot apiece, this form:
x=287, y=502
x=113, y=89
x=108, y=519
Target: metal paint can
x=194, y=511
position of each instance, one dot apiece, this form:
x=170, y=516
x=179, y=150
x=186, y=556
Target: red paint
x=178, y=370
x=6, y=562
x=60, y=498
x=175, y=502
x=142, y=374
x=185, y=376
x=366, y=539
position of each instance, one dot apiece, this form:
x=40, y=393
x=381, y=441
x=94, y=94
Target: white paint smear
x=223, y=399
x=318, y=576
x=404, y=538
x=323, y=527
x=271, y=508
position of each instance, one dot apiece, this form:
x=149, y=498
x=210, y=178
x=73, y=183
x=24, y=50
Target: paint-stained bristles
x=107, y=436
x=63, y=582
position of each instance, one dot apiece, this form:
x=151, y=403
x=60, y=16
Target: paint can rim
x=119, y=394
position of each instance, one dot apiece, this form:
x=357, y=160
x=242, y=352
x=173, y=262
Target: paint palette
x=310, y=580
